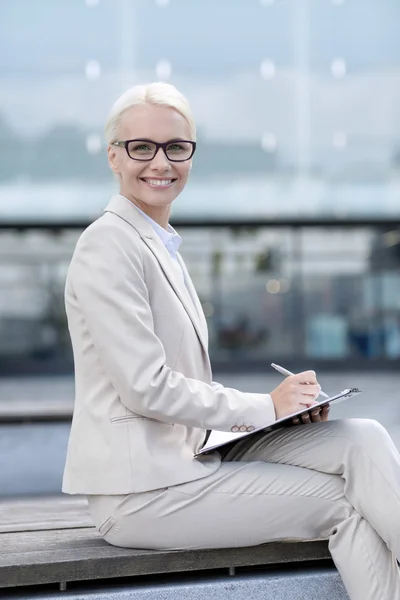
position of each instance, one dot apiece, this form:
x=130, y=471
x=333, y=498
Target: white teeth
x=159, y=182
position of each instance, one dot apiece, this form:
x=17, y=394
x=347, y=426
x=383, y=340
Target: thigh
x=324, y=447
x=246, y=503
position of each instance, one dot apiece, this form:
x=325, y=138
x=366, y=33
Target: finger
x=306, y=403
x=296, y=421
x=316, y=415
x=325, y=412
x=306, y=418
x=310, y=390
x=306, y=377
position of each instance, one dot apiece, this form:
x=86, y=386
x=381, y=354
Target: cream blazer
x=144, y=395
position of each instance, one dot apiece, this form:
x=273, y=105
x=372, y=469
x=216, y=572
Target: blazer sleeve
x=107, y=279
x=216, y=385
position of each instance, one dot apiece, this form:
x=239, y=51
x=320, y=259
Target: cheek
x=184, y=173
x=131, y=171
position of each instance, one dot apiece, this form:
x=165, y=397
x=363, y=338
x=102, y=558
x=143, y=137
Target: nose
x=160, y=162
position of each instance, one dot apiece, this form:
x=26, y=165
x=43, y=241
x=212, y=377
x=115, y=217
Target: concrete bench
x=48, y=544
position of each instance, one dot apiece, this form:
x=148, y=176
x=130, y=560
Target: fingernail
x=296, y=421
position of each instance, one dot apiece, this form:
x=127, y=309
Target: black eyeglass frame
x=158, y=145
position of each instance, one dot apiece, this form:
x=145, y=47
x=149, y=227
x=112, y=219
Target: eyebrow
x=166, y=142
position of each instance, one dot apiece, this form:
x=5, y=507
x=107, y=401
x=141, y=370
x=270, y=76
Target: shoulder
x=109, y=241
x=110, y=226
x=110, y=231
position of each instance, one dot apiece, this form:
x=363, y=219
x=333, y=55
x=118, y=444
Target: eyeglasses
x=145, y=150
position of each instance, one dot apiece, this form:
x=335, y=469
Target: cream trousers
x=338, y=480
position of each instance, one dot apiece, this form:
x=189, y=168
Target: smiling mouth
x=158, y=183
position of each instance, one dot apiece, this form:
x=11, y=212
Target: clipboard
x=219, y=439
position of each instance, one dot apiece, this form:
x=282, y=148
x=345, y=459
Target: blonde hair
x=158, y=94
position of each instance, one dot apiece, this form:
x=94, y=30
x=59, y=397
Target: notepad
x=219, y=439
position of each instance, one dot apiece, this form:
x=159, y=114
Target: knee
x=367, y=433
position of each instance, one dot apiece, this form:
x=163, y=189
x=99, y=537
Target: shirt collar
x=170, y=238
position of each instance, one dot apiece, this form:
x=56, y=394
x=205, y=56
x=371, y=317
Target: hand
x=295, y=393
x=316, y=416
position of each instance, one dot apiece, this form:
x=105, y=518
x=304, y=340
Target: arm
x=108, y=280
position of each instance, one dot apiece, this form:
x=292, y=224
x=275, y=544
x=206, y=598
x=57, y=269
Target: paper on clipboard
x=219, y=439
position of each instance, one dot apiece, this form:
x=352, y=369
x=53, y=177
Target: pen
x=287, y=373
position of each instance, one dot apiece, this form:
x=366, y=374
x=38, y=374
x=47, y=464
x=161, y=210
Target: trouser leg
x=358, y=450
x=368, y=569
x=363, y=454
x=241, y=504
x=250, y=503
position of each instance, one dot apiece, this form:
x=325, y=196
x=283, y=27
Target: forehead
x=158, y=123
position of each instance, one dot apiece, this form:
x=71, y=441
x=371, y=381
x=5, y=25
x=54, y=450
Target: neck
x=159, y=214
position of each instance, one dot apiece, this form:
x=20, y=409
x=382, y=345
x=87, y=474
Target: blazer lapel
x=194, y=297
x=123, y=208
x=161, y=254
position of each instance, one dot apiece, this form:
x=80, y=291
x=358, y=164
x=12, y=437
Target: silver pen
x=285, y=372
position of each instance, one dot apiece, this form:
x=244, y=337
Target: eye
x=141, y=148
x=176, y=147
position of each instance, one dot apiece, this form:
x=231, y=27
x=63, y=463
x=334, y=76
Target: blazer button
x=235, y=428
x=243, y=428
x=250, y=428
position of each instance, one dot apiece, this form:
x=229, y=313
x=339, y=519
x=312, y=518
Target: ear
x=112, y=159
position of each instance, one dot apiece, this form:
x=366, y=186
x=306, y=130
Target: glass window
x=296, y=103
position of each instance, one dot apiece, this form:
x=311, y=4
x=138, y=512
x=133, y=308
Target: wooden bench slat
x=81, y=554
x=31, y=514
x=51, y=540
x=28, y=410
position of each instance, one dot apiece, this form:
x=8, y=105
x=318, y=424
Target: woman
x=145, y=396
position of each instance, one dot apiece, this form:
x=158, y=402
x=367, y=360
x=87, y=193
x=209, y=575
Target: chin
x=161, y=196
x=157, y=199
